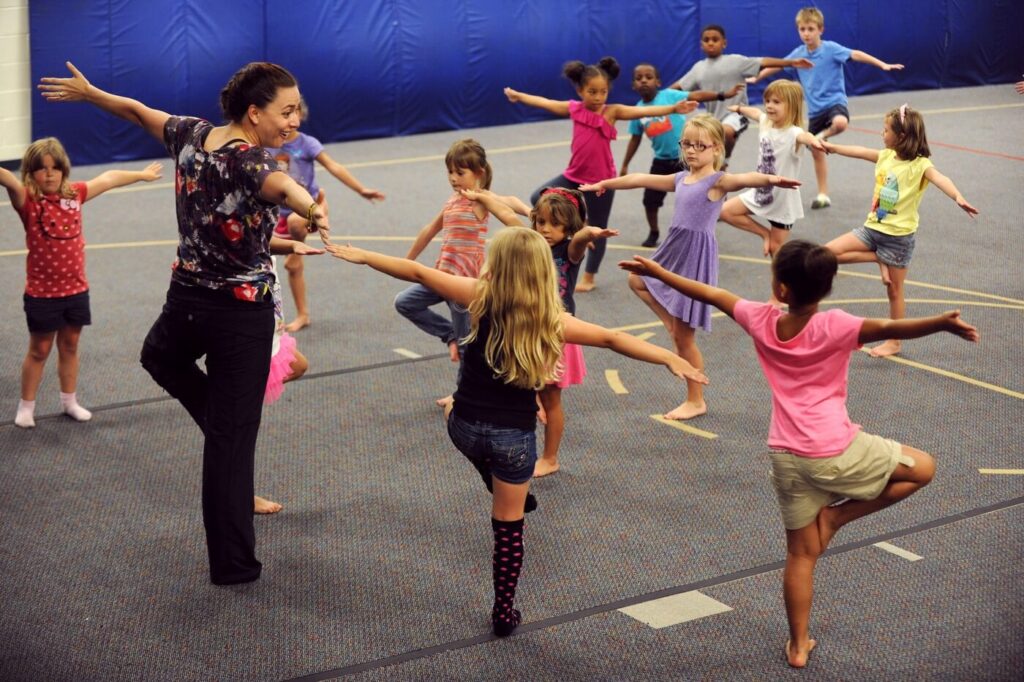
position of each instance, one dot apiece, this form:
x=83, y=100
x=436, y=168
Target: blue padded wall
x=396, y=67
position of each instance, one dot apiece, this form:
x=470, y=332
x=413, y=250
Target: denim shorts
x=509, y=453
x=893, y=251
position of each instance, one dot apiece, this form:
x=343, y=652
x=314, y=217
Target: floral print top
x=224, y=226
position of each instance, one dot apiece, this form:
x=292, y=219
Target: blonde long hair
x=518, y=293
x=33, y=161
x=713, y=127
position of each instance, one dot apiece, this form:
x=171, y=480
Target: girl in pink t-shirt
x=56, y=291
x=593, y=130
x=818, y=456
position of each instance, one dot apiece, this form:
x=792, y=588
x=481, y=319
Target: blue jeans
x=508, y=454
x=414, y=305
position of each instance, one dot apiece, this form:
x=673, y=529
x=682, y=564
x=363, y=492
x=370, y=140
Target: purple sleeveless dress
x=690, y=250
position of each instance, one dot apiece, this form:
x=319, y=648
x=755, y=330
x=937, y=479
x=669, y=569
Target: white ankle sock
x=25, y=416
x=69, y=404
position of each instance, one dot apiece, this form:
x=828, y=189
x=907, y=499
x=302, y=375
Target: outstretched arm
x=279, y=246
x=763, y=73
x=949, y=189
x=78, y=89
x=720, y=298
x=583, y=238
x=865, y=58
x=623, y=112
x=811, y=141
x=587, y=334
x=774, y=64
x=750, y=112
x=853, y=151
x=662, y=183
x=119, y=178
x=496, y=205
x=556, y=107
x=451, y=287
x=426, y=233
x=730, y=182
x=707, y=95
x=916, y=327
x=347, y=179
x=15, y=190
x=282, y=190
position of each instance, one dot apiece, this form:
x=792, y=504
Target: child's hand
x=735, y=90
x=684, y=370
x=303, y=249
x=734, y=108
x=644, y=267
x=819, y=144
x=606, y=233
x=1019, y=87
x=473, y=194
x=828, y=147
x=968, y=209
x=371, y=195
x=152, y=171
x=347, y=252
x=952, y=323
x=513, y=96
x=783, y=182
x=684, y=106
x=597, y=188
x=72, y=89
x=804, y=63
x=892, y=67
x=319, y=222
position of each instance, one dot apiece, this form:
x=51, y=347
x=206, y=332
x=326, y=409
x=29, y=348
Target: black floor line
x=308, y=377
x=427, y=652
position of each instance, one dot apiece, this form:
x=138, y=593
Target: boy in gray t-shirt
x=720, y=72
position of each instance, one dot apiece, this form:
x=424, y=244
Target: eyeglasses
x=695, y=146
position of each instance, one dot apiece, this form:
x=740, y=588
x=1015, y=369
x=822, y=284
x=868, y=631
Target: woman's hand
x=74, y=89
x=304, y=249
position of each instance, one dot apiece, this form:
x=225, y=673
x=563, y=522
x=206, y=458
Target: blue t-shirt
x=664, y=131
x=297, y=158
x=824, y=85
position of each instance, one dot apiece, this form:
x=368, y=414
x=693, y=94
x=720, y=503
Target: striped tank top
x=462, y=238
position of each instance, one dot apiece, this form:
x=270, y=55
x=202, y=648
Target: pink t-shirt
x=807, y=375
x=592, y=136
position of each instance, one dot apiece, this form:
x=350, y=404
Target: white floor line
x=893, y=549
x=407, y=353
x=675, y=609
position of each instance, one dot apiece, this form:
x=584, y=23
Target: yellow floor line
x=612, y=377
x=645, y=336
x=1010, y=472
x=683, y=426
x=953, y=375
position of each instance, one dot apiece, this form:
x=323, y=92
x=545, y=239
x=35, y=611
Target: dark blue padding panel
x=396, y=67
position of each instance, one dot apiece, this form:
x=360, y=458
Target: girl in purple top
x=592, y=132
x=219, y=304
x=818, y=457
x=690, y=249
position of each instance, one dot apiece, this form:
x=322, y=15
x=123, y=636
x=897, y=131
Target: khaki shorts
x=806, y=484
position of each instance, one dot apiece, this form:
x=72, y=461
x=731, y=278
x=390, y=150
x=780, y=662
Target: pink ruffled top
x=592, y=135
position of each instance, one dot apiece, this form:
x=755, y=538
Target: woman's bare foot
x=586, y=283
x=797, y=656
x=544, y=467
x=264, y=506
x=453, y=351
x=446, y=401
x=890, y=347
x=300, y=322
x=688, y=410
x=884, y=269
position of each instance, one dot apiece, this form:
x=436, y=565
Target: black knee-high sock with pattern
x=508, y=563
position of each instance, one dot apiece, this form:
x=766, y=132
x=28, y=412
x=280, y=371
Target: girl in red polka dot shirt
x=56, y=291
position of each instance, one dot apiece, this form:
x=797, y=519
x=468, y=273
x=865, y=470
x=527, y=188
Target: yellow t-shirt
x=899, y=186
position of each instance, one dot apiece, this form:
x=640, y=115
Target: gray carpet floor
x=378, y=567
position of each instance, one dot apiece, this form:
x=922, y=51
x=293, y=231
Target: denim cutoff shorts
x=893, y=251
x=509, y=453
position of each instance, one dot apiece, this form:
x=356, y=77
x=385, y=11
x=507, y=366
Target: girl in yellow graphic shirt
x=902, y=171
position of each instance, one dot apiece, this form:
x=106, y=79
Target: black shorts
x=780, y=226
x=45, y=315
x=654, y=198
x=824, y=120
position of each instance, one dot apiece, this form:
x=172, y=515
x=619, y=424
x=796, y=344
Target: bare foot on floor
x=453, y=351
x=688, y=410
x=445, y=402
x=264, y=506
x=544, y=468
x=796, y=657
x=300, y=322
x=886, y=349
x=585, y=284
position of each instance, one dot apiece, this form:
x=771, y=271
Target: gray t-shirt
x=720, y=74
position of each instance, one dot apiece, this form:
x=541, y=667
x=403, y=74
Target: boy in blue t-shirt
x=664, y=133
x=824, y=87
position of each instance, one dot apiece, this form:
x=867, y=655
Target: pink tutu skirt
x=280, y=368
x=573, y=367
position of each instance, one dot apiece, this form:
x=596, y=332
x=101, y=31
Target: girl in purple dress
x=690, y=250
